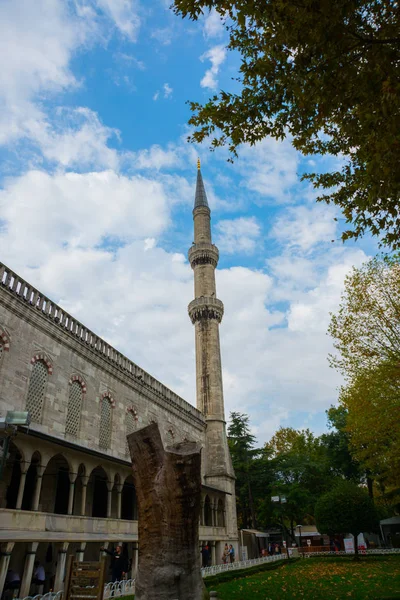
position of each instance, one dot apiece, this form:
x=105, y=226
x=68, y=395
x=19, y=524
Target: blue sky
x=96, y=190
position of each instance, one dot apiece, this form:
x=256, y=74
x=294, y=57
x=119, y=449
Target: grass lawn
x=371, y=578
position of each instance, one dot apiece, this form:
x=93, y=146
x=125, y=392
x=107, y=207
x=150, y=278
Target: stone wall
x=34, y=335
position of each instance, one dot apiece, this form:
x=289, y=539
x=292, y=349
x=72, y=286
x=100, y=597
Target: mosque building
x=66, y=484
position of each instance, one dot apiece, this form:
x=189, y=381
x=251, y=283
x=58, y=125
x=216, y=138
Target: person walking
x=119, y=563
x=231, y=553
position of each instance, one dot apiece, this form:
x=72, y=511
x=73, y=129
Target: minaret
x=206, y=313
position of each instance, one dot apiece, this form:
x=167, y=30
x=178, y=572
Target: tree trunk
x=356, y=555
x=168, y=488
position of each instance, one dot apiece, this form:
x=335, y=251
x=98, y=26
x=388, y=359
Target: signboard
x=308, y=542
x=84, y=580
x=349, y=544
x=275, y=498
x=244, y=553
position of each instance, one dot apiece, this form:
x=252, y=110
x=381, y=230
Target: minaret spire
x=200, y=198
x=206, y=312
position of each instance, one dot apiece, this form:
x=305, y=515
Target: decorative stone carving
x=168, y=485
x=203, y=254
x=206, y=307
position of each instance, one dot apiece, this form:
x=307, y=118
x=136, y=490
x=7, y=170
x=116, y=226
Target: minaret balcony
x=203, y=254
x=206, y=308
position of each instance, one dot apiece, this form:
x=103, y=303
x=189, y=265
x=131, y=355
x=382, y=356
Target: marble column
x=60, y=572
x=38, y=487
x=28, y=569
x=213, y=514
x=213, y=556
x=119, y=487
x=21, y=489
x=110, y=485
x=84, y=479
x=72, y=479
x=135, y=559
x=6, y=550
x=80, y=553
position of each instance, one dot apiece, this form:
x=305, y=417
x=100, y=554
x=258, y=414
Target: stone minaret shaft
x=206, y=313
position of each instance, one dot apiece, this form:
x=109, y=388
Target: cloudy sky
x=96, y=191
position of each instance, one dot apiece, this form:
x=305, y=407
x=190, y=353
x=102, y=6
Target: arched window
x=36, y=390
x=4, y=343
x=207, y=512
x=131, y=418
x=74, y=408
x=105, y=422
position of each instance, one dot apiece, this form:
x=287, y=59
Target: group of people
x=228, y=555
x=274, y=548
x=13, y=580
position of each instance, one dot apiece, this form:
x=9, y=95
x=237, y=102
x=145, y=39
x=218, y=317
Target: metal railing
x=119, y=588
x=241, y=564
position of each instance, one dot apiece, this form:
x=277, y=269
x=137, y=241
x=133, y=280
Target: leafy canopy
x=366, y=328
x=347, y=508
x=373, y=403
x=326, y=74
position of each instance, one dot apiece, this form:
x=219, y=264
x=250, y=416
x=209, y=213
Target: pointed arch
x=207, y=511
x=41, y=369
x=77, y=389
x=107, y=403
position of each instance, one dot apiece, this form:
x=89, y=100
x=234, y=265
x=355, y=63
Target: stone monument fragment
x=168, y=487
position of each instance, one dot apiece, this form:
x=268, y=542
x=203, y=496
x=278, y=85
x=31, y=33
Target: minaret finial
x=198, y=163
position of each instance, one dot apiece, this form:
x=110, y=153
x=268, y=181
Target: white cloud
x=213, y=25
x=216, y=55
x=125, y=15
x=40, y=63
x=79, y=140
x=43, y=213
x=37, y=42
x=305, y=226
x=163, y=35
x=156, y=95
x=270, y=169
x=167, y=90
x=157, y=158
x=236, y=236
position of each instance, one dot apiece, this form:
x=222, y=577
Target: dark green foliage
x=327, y=75
x=347, y=508
x=336, y=443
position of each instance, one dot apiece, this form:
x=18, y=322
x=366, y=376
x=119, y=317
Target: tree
x=347, y=508
x=366, y=329
x=241, y=445
x=372, y=400
x=337, y=446
x=301, y=474
x=327, y=75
